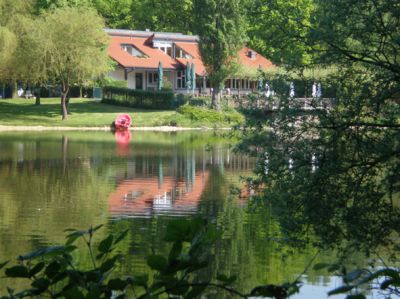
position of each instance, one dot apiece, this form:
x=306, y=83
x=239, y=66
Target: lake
x=57, y=180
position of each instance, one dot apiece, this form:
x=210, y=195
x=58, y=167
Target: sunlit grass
x=90, y=113
x=83, y=113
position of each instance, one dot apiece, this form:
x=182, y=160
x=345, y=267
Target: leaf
x=41, y=284
x=3, y=264
x=73, y=293
x=227, y=280
x=36, y=269
x=353, y=275
x=357, y=296
x=139, y=280
x=109, y=264
x=265, y=291
x=340, y=290
x=105, y=245
x=17, y=271
x=75, y=277
x=94, y=229
x=333, y=268
x=177, y=231
x=93, y=276
x=121, y=237
x=321, y=266
x=117, y=284
x=52, y=269
x=195, y=291
x=156, y=262
x=56, y=250
x=180, y=289
x=382, y=272
x=175, y=251
x=94, y=293
x=387, y=283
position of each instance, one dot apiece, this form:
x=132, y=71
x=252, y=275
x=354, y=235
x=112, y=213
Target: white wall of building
x=131, y=80
x=117, y=74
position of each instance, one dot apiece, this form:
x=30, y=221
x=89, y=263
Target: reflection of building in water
x=171, y=182
x=147, y=196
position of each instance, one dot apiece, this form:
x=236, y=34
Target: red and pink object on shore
x=123, y=122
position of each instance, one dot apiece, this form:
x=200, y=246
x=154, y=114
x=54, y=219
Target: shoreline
x=4, y=128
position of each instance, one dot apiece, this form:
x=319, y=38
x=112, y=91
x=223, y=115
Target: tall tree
x=116, y=13
x=366, y=31
x=281, y=30
x=14, y=14
x=220, y=26
x=161, y=15
x=66, y=46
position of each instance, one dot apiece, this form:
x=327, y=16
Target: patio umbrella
x=160, y=76
x=188, y=76
x=193, y=77
x=260, y=85
x=291, y=91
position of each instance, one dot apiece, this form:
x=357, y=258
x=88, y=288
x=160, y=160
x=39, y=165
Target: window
x=181, y=79
x=252, y=54
x=166, y=50
x=179, y=53
x=153, y=78
x=132, y=50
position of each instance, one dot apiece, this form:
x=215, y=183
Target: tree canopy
x=221, y=36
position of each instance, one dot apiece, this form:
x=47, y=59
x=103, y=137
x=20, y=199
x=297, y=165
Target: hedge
x=139, y=98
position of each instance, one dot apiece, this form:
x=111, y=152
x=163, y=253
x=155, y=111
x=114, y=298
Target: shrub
x=139, y=98
x=210, y=115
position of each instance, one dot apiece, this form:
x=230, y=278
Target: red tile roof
x=193, y=50
x=154, y=55
x=258, y=61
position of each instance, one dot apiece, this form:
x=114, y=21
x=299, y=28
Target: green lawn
x=83, y=113
x=89, y=113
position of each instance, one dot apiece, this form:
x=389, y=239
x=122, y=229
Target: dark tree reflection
x=341, y=184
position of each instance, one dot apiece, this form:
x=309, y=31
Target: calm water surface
x=53, y=181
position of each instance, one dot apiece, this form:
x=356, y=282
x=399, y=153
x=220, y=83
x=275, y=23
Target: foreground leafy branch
x=53, y=271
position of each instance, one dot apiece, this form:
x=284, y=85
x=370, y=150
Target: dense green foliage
x=53, y=272
x=139, y=98
x=213, y=117
x=221, y=36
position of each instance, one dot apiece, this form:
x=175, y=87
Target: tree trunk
x=64, y=96
x=37, y=97
x=215, y=99
x=36, y=94
x=14, y=87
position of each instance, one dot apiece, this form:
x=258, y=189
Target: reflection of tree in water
x=343, y=184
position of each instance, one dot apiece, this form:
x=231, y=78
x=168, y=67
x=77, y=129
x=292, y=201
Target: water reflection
x=53, y=181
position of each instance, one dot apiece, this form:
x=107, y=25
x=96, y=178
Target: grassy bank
x=88, y=113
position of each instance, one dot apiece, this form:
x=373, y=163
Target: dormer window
x=252, y=54
x=179, y=53
x=133, y=51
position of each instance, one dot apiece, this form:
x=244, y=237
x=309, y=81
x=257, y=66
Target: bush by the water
x=139, y=98
x=211, y=116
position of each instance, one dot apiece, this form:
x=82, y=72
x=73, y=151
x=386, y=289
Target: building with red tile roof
x=138, y=54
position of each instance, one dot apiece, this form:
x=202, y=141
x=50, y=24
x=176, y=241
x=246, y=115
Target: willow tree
x=220, y=27
x=66, y=46
x=13, y=16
